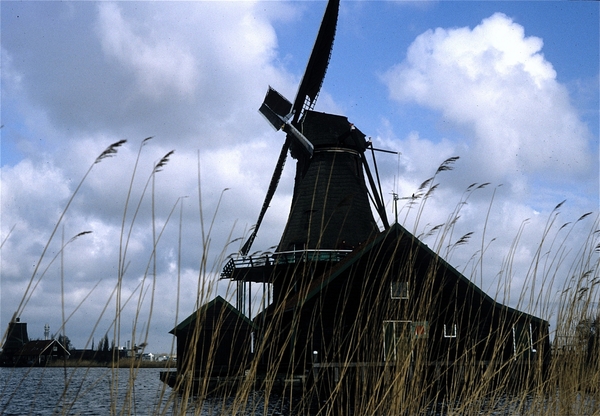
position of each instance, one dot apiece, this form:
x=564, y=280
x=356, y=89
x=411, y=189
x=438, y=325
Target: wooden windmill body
x=330, y=212
x=330, y=206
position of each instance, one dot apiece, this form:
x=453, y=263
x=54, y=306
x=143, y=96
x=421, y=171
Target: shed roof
x=216, y=302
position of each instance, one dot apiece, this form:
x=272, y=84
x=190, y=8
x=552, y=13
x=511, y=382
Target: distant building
x=16, y=337
x=40, y=353
x=147, y=356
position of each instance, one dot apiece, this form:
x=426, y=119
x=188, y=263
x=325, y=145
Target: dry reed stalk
x=402, y=386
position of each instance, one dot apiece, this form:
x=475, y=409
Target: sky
x=509, y=87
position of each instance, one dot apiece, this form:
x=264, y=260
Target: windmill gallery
x=352, y=305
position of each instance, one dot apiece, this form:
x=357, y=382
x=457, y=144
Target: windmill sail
x=318, y=62
x=270, y=192
x=277, y=109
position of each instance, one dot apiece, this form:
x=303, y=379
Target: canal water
x=105, y=391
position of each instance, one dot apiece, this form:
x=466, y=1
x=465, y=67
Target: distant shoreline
x=124, y=363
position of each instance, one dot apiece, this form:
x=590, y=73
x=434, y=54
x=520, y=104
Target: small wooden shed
x=215, y=340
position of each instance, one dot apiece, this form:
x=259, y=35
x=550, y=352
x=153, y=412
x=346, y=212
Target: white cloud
x=495, y=83
x=32, y=194
x=158, y=64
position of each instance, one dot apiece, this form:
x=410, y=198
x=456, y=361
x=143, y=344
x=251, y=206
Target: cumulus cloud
x=494, y=82
x=158, y=65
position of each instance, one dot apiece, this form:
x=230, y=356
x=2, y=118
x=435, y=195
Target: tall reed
x=269, y=382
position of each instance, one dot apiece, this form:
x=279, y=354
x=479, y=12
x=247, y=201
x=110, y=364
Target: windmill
x=350, y=301
x=327, y=148
x=330, y=210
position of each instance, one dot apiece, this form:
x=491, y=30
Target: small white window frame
x=392, y=324
x=404, y=291
x=531, y=343
x=453, y=333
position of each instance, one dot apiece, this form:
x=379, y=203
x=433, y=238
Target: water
x=88, y=391
x=104, y=391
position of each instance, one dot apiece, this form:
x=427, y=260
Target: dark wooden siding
x=341, y=313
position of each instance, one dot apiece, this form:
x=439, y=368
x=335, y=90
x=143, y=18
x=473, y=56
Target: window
x=420, y=330
x=522, y=340
x=396, y=340
x=531, y=343
x=450, y=331
x=399, y=290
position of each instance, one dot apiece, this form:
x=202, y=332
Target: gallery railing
x=281, y=258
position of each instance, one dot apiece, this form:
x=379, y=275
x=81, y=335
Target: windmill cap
x=326, y=130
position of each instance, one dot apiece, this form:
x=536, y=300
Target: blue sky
x=510, y=87
x=569, y=31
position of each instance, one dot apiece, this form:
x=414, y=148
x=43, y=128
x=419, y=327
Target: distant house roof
x=43, y=347
x=396, y=231
x=205, y=310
